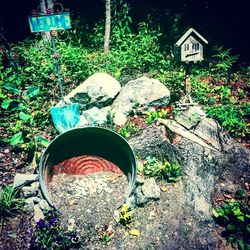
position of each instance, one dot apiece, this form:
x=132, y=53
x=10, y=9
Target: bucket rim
x=131, y=177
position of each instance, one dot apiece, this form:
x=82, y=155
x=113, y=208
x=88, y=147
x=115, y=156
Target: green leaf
x=24, y=116
x=6, y=103
x=17, y=138
x=240, y=217
x=32, y=91
x=140, y=166
x=12, y=88
x=237, y=212
x=8, y=190
x=241, y=244
x=43, y=141
x=248, y=228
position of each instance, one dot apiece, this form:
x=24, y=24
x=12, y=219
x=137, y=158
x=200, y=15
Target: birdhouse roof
x=187, y=34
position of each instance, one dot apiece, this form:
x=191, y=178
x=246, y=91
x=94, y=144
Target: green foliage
x=21, y=105
x=230, y=117
x=152, y=115
x=50, y=234
x=9, y=201
x=230, y=110
x=129, y=52
x=128, y=130
x=234, y=216
x=224, y=61
x=162, y=169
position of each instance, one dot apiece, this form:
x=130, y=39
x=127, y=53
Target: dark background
x=221, y=22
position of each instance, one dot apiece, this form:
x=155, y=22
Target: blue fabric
x=66, y=117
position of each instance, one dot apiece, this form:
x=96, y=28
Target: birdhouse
x=189, y=48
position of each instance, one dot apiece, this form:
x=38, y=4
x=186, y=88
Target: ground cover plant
x=49, y=233
x=234, y=216
x=9, y=202
x=161, y=169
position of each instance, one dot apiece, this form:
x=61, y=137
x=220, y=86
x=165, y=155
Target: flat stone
x=31, y=190
x=30, y=202
x=151, y=190
x=38, y=213
x=24, y=179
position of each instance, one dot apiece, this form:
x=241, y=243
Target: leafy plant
x=9, y=201
x=220, y=103
x=157, y=113
x=128, y=130
x=225, y=61
x=230, y=117
x=21, y=105
x=49, y=234
x=234, y=216
x=161, y=169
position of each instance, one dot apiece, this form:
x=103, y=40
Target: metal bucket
x=92, y=141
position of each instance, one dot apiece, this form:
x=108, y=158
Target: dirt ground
x=91, y=200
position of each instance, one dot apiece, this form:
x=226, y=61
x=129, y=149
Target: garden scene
x=123, y=132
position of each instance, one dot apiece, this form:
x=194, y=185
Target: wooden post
x=188, y=85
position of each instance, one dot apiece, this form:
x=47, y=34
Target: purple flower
x=41, y=223
x=59, y=241
x=53, y=222
x=75, y=238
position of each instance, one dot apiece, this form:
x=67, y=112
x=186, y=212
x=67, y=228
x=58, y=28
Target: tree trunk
x=107, y=26
x=43, y=6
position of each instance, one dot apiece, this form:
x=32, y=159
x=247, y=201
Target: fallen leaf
x=163, y=188
x=228, y=196
x=134, y=232
x=219, y=199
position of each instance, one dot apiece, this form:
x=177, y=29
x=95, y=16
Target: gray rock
x=150, y=189
x=30, y=202
x=38, y=213
x=139, y=198
x=24, y=179
x=98, y=90
x=96, y=116
x=31, y=190
x=43, y=204
x=144, y=92
x=119, y=118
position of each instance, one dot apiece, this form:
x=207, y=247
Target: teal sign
x=49, y=22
